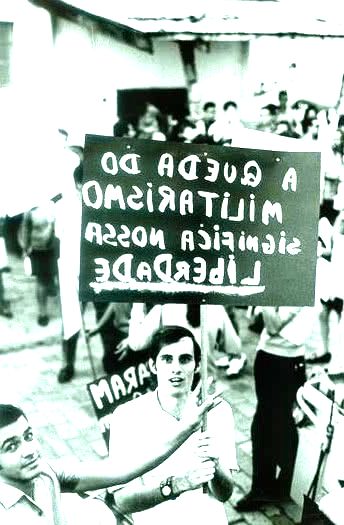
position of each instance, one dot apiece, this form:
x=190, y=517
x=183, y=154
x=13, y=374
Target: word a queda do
x=154, y=197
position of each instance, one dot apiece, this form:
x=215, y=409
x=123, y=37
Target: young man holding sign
x=30, y=488
x=173, y=491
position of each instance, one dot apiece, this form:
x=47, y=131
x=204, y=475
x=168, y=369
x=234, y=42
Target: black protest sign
x=196, y=223
x=131, y=379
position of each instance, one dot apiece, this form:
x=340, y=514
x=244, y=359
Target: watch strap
x=166, y=488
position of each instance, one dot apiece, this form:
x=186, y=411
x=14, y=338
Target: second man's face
x=20, y=458
x=175, y=366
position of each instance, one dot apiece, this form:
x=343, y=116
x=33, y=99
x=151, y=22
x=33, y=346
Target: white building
x=78, y=65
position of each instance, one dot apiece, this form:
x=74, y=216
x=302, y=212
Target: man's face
x=231, y=114
x=283, y=99
x=175, y=366
x=209, y=114
x=20, y=458
x=314, y=129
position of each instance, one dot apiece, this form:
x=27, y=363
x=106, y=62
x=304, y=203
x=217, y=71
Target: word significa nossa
x=216, y=239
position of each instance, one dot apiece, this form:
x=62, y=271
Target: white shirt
x=16, y=507
x=132, y=426
x=293, y=327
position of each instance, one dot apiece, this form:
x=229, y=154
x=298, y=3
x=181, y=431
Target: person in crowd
x=112, y=325
x=311, y=112
x=279, y=371
x=283, y=108
x=298, y=109
x=38, y=241
x=309, y=123
x=68, y=225
x=310, y=129
x=227, y=126
x=318, y=348
x=285, y=129
x=203, y=124
x=124, y=128
x=5, y=305
x=112, y=321
x=173, y=492
x=222, y=340
x=30, y=487
x=334, y=303
x=267, y=118
x=332, y=165
x=151, y=124
x=184, y=131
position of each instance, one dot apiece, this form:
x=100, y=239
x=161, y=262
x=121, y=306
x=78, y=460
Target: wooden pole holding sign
x=204, y=373
x=204, y=365
x=87, y=341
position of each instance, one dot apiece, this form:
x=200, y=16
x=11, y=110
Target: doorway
x=170, y=101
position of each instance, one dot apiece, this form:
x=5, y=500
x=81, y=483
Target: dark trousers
x=110, y=337
x=273, y=431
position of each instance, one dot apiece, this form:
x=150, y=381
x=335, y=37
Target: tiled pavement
x=30, y=358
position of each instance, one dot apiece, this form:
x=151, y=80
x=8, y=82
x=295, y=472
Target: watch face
x=166, y=490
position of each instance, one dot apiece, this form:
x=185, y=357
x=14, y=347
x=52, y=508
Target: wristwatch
x=166, y=489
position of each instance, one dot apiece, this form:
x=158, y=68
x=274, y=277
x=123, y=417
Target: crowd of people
x=172, y=335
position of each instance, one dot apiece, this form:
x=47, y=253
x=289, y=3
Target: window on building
x=6, y=30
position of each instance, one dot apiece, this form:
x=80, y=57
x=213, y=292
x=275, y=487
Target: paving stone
x=240, y=437
x=243, y=481
x=247, y=410
x=293, y=511
x=245, y=461
x=60, y=447
x=232, y=515
x=241, y=421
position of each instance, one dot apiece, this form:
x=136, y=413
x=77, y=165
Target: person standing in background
x=38, y=241
x=279, y=371
x=112, y=326
x=5, y=305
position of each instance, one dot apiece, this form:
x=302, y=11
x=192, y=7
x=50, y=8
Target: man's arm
x=143, y=494
x=104, y=473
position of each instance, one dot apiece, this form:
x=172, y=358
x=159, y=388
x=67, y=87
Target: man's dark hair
x=228, y=104
x=168, y=335
x=208, y=105
x=282, y=93
x=9, y=414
